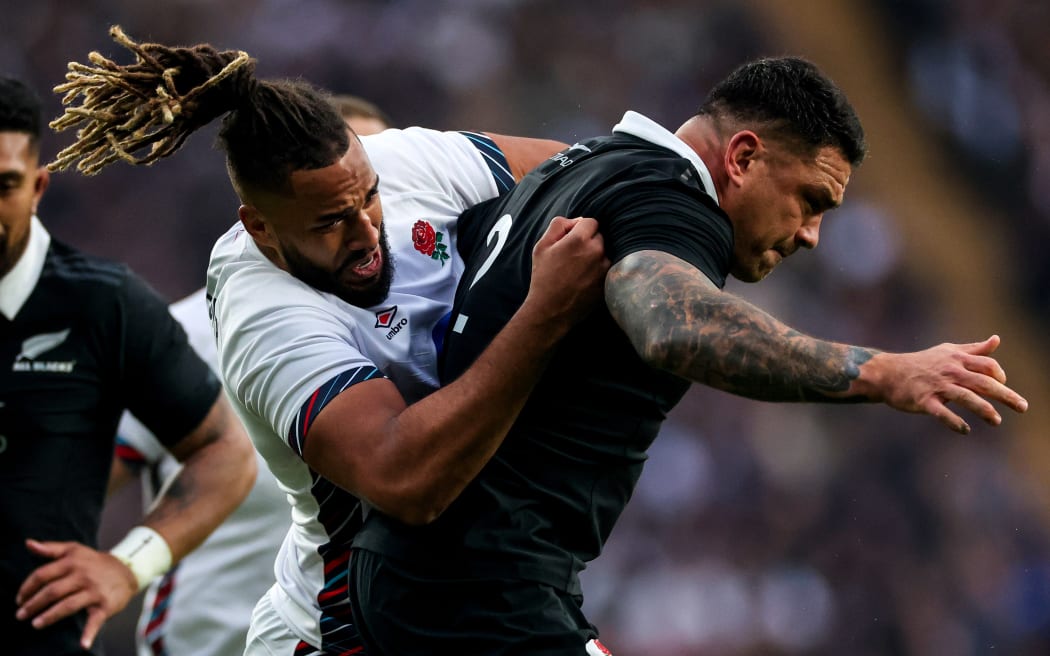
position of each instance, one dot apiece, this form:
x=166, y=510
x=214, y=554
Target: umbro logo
x=386, y=319
x=38, y=345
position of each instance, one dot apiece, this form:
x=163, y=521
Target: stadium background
x=757, y=528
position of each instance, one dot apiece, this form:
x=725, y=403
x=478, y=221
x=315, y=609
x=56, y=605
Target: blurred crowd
x=756, y=528
x=980, y=73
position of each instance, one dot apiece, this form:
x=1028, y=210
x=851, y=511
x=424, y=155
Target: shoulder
x=239, y=275
x=70, y=266
x=95, y=284
x=405, y=159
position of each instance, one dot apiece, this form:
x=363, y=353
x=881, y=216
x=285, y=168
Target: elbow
x=411, y=505
x=420, y=515
x=413, y=512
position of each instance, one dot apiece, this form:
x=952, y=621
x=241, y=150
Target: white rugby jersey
x=285, y=349
x=203, y=605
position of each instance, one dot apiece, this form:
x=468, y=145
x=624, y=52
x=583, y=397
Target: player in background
x=737, y=188
x=202, y=606
x=84, y=339
x=329, y=300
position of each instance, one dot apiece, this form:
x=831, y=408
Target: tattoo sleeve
x=678, y=320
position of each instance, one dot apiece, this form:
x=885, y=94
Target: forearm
x=436, y=446
x=679, y=321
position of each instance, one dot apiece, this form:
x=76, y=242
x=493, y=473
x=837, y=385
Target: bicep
x=524, y=154
x=653, y=296
x=345, y=435
x=219, y=427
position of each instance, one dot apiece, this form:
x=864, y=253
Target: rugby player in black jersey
x=81, y=339
x=736, y=189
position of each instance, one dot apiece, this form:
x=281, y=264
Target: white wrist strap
x=145, y=553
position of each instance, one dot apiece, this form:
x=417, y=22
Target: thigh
x=401, y=613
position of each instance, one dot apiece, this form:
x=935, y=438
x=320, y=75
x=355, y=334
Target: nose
x=361, y=233
x=808, y=234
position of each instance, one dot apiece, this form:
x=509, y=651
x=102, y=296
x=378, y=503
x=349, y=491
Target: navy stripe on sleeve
x=320, y=398
x=495, y=158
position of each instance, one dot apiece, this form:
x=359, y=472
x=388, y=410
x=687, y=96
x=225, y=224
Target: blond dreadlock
x=129, y=108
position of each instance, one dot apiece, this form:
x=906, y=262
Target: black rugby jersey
x=547, y=501
x=91, y=340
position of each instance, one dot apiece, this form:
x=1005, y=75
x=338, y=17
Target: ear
x=255, y=223
x=741, y=154
x=43, y=178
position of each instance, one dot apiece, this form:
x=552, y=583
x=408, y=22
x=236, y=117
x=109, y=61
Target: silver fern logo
x=38, y=345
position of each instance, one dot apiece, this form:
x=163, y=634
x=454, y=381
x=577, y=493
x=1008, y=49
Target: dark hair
x=792, y=99
x=270, y=128
x=356, y=107
x=20, y=109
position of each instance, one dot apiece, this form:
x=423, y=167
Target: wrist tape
x=145, y=553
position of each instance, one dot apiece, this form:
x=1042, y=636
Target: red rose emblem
x=424, y=238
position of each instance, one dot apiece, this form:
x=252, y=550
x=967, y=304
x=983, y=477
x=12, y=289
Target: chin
x=749, y=275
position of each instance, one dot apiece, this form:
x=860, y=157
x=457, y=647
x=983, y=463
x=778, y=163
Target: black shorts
x=401, y=614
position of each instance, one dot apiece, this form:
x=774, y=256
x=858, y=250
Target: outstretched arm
x=678, y=320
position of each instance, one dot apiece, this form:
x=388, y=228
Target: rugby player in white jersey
x=203, y=605
x=321, y=346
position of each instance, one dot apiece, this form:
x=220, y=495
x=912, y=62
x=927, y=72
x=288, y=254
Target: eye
x=328, y=226
x=809, y=205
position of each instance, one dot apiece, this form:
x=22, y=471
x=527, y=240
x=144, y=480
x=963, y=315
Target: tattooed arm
x=679, y=321
x=218, y=470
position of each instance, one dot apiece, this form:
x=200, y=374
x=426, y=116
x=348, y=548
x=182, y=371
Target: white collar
x=642, y=127
x=21, y=280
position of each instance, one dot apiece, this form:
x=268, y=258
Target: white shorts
x=269, y=635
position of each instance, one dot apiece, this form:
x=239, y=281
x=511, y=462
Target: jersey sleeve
x=136, y=446
x=164, y=382
x=464, y=167
x=668, y=216
x=284, y=352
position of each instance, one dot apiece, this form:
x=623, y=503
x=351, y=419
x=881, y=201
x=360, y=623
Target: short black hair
x=20, y=108
x=792, y=98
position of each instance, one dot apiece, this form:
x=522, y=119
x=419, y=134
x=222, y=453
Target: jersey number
x=499, y=232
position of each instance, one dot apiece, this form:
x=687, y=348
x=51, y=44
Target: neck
x=702, y=135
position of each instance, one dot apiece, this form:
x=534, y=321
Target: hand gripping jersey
x=286, y=349
x=203, y=604
x=546, y=502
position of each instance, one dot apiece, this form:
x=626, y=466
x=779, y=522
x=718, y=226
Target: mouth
x=365, y=268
